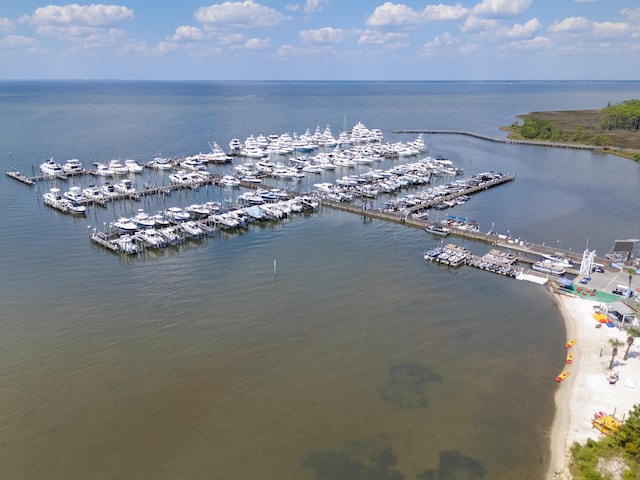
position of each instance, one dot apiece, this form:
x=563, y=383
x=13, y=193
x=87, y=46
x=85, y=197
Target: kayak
x=570, y=343
x=562, y=376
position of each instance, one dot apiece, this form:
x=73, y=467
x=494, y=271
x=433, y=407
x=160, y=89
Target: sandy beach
x=587, y=389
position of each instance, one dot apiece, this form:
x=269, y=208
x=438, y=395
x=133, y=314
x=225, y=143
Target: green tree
x=578, y=135
x=601, y=140
x=615, y=343
x=633, y=333
x=629, y=434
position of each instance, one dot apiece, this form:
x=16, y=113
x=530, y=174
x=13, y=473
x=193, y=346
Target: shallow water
x=199, y=362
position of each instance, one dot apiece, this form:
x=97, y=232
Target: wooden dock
x=20, y=177
x=526, y=252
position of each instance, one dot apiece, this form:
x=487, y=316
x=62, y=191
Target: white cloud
x=313, y=6
x=5, y=24
x=632, y=15
x=292, y=7
x=584, y=1
x=393, y=15
x=500, y=8
x=74, y=14
x=257, y=44
x=326, y=35
x=245, y=15
x=399, y=15
x=475, y=24
x=18, y=42
x=611, y=29
x=378, y=38
x=188, y=33
x=521, y=31
x=537, y=43
x=230, y=39
x=444, y=40
x=571, y=25
x=444, y=12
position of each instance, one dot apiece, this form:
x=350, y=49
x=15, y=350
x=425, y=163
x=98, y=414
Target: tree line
x=623, y=116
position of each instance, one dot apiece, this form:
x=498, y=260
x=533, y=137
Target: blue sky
x=321, y=40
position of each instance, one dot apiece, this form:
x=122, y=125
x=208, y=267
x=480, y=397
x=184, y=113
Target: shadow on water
x=366, y=460
x=408, y=385
x=454, y=465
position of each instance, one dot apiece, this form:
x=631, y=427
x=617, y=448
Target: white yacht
x=180, y=178
x=176, y=214
x=229, y=181
x=125, y=186
x=118, y=168
x=151, y=238
x=75, y=195
x=124, y=226
x=103, y=170
x=51, y=168
x=133, y=166
x=73, y=166
x=54, y=199
x=93, y=193
x=143, y=219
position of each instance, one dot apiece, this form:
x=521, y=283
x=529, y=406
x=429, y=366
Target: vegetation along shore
x=615, y=128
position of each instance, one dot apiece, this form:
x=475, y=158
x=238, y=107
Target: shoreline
x=587, y=389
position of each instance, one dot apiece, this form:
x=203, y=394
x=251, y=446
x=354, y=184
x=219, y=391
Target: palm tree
x=633, y=333
x=615, y=343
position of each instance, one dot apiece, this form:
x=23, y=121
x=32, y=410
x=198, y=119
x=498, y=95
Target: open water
x=357, y=360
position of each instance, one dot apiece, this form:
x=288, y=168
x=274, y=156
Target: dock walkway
x=489, y=138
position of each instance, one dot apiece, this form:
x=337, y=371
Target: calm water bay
x=200, y=363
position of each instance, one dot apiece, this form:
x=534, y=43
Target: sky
x=321, y=40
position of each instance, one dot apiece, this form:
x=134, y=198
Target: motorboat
x=192, y=229
x=118, y=168
x=124, y=226
x=126, y=244
x=103, y=170
x=73, y=166
x=437, y=230
x=235, y=146
x=133, y=166
x=51, y=168
x=160, y=163
x=54, y=199
x=181, y=178
x=171, y=235
x=143, y=219
x=176, y=214
x=230, y=181
x=547, y=266
x=108, y=190
x=93, y=193
x=125, y=186
x=74, y=194
x=197, y=211
x=558, y=261
x=151, y=238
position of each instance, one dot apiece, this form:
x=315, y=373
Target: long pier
x=527, y=252
x=489, y=138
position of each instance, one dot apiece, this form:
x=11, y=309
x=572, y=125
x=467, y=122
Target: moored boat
x=51, y=168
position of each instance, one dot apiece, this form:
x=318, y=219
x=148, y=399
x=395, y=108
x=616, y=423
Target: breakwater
x=489, y=138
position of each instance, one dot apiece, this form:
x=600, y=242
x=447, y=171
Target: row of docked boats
x=73, y=166
x=54, y=199
x=130, y=235
x=450, y=255
x=261, y=146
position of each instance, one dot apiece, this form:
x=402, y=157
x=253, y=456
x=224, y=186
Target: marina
x=204, y=357
x=356, y=196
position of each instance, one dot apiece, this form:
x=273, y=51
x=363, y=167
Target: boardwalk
x=526, y=252
x=504, y=140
